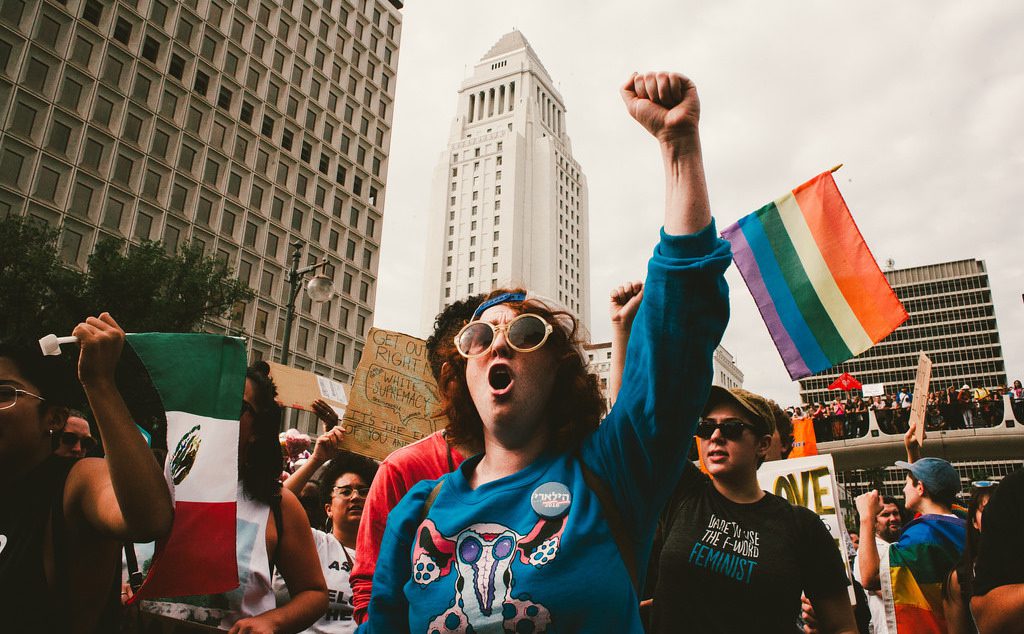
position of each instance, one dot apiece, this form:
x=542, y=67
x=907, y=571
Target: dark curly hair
x=446, y=325
x=264, y=461
x=345, y=462
x=576, y=405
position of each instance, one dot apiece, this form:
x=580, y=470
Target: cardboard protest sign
x=299, y=388
x=920, y=402
x=810, y=482
x=393, y=400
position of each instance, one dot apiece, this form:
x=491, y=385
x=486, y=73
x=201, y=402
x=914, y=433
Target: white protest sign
x=873, y=389
x=810, y=482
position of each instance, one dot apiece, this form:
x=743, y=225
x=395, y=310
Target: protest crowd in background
x=950, y=409
x=524, y=513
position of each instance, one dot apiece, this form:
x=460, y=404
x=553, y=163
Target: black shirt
x=26, y=598
x=728, y=567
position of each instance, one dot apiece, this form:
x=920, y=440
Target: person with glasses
x=75, y=440
x=63, y=520
x=344, y=484
x=735, y=558
x=518, y=538
x=959, y=583
x=997, y=601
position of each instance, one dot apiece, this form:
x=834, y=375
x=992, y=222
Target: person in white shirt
x=344, y=483
x=888, y=524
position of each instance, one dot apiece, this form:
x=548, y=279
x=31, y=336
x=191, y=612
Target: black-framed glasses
x=9, y=395
x=731, y=428
x=524, y=333
x=350, y=491
x=69, y=439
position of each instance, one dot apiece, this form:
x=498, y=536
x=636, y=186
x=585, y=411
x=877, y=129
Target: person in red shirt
x=426, y=459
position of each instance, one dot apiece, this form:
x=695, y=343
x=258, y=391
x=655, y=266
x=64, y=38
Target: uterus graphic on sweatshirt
x=484, y=557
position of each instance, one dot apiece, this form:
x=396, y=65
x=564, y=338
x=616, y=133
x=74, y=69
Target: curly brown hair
x=575, y=407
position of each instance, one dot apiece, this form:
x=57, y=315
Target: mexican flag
x=200, y=379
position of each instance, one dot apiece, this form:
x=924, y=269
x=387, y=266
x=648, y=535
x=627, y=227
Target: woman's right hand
x=100, y=341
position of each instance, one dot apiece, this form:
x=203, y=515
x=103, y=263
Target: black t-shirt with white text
x=728, y=567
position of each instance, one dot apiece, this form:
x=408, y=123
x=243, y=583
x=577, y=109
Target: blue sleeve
x=389, y=610
x=640, y=448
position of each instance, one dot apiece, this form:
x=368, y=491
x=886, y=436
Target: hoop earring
x=328, y=525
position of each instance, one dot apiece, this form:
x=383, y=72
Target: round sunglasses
x=731, y=429
x=524, y=333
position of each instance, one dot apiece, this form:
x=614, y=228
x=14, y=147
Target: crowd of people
x=534, y=510
x=953, y=408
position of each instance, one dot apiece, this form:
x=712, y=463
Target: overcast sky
x=922, y=101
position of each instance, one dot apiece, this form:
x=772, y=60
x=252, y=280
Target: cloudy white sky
x=923, y=101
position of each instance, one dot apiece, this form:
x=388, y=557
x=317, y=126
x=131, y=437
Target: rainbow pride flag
x=819, y=289
x=912, y=571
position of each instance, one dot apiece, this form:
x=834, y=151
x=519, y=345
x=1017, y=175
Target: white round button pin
x=551, y=500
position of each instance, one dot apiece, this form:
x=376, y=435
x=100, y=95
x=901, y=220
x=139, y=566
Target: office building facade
x=509, y=202
x=239, y=126
x=599, y=362
x=952, y=320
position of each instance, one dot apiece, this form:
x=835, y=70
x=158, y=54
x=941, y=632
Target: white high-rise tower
x=509, y=202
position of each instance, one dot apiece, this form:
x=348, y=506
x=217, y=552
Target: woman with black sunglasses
x=734, y=558
x=521, y=536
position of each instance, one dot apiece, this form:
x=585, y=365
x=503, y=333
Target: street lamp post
x=319, y=289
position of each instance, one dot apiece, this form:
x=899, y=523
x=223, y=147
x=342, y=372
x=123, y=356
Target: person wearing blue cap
x=930, y=546
x=520, y=537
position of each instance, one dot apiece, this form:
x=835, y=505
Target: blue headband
x=504, y=298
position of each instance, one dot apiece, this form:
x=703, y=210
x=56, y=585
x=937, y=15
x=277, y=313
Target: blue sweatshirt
x=532, y=552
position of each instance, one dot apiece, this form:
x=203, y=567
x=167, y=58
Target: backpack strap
x=429, y=502
x=616, y=524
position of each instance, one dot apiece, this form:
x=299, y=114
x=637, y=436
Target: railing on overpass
x=985, y=418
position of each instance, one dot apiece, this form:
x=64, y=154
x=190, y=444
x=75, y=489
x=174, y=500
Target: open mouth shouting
x=499, y=377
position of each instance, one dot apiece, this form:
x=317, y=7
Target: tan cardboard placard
x=299, y=388
x=920, y=403
x=393, y=400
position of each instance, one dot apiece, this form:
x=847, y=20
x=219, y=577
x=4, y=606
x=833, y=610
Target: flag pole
x=835, y=169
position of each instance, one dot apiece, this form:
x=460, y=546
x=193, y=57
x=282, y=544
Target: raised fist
x=666, y=104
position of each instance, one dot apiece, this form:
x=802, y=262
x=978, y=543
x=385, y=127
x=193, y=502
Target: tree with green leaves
x=145, y=288
x=148, y=290
x=34, y=283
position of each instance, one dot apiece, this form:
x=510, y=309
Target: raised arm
x=125, y=494
x=327, y=447
x=910, y=442
x=624, y=302
x=868, y=507
x=667, y=106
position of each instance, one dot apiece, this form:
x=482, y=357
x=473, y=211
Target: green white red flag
x=200, y=379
